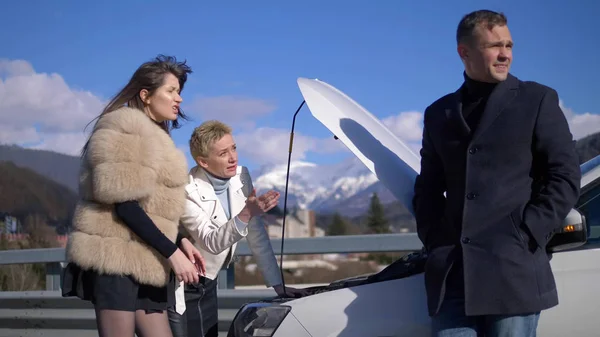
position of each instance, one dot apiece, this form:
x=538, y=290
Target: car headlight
x=258, y=319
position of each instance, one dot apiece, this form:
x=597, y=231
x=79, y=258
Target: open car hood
x=390, y=159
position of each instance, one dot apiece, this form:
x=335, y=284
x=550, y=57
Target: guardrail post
x=227, y=278
x=53, y=271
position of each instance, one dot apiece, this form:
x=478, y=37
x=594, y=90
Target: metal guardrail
x=53, y=257
x=46, y=313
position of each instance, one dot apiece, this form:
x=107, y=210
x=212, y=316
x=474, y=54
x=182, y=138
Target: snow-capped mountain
x=345, y=186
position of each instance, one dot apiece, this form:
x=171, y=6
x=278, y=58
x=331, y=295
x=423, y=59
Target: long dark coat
x=508, y=184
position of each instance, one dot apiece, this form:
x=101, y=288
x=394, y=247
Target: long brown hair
x=149, y=76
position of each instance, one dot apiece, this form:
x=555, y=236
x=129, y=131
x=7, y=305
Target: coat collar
x=454, y=113
x=199, y=182
x=499, y=99
x=201, y=191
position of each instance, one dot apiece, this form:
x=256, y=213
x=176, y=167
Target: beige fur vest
x=129, y=158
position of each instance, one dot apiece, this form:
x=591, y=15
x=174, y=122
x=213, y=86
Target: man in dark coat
x=499, y=173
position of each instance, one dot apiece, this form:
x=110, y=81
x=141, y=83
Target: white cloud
x=270, y=146
x=15, y=68
x=581, y=124
x=237, y=111
x=40, y=110
x=64, y=142
x=584, y=124
x=25, y=135
x=267, y=145
x=408, y=126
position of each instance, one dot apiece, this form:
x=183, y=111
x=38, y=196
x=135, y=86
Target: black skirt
x=115, y=292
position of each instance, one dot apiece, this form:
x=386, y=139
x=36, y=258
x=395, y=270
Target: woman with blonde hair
x=221, y=209
x=124, y=253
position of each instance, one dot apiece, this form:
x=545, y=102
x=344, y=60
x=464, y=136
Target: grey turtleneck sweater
x=221, y=187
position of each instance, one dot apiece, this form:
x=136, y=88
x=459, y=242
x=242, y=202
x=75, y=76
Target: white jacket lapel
x=206, y=198
x=237, y=200
x=204, y=195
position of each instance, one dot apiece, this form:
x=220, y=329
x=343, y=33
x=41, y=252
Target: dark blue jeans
x=200, y=318
x=451, y=321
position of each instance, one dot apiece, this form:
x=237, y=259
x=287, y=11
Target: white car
x=393, y=301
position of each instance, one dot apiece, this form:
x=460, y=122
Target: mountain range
x=24, y=192
x=59, y=167
x=345, y=187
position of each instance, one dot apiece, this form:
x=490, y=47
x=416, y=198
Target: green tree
x=338, y=226
x=376, y=221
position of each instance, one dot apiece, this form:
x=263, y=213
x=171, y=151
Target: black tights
x=113, y=323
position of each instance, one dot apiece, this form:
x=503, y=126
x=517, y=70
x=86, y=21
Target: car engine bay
x=408, y=265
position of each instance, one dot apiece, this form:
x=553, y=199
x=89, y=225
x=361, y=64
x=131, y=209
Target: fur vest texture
x=129, y=158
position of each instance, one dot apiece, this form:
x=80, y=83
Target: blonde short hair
x=205, y=135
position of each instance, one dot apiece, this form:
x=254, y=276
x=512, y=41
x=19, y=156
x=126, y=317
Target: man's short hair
x=205, y=135
x=466, y=27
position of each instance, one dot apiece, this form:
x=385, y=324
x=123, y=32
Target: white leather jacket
x=216, y=236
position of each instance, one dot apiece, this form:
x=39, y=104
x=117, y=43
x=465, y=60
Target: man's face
x=488, y=56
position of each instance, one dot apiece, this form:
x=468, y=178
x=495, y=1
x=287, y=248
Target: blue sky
x=62, y=59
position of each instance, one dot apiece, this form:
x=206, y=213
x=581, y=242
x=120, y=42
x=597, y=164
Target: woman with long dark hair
x=125, y=252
